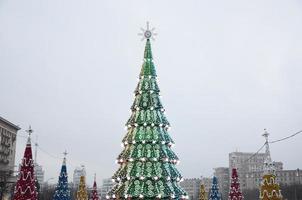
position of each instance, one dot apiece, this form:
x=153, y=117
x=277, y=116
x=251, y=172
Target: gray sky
x=227, y=70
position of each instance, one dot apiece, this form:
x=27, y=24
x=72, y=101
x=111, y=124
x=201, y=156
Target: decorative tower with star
x=62, y=191
x=147, y=164
x=25, y=188
x=269, y=189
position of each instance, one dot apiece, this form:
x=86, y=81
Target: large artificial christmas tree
x=147, y=163
x=62, y=191
x=202, y=193
x=82, y=191
x=269, y=189
x=94, y=193
x=214, y=193
x=25, y=188
x=235, y=192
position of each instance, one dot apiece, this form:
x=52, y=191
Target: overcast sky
x=227, y=70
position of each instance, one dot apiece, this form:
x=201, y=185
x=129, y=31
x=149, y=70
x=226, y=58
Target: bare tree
x=5, y=185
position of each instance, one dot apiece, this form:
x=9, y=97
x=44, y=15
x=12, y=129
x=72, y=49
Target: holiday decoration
x=202, y=193
x=62, y=191
x=214, y=193
x=235, y=192
x=82, y=191
x=269, y=189
x=147, y=163
x=25, y=188
x=94, y=193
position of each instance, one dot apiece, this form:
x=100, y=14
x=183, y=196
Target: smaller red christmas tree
x=235, y=192
x=25, y=188
x=94, y=194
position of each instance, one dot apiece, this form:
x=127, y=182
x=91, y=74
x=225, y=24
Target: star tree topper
x=147, y=33
x=29, y=131
x=65, y=153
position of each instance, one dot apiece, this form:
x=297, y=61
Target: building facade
x=107, y=184
x=77, y=173
x=248, y=163
x=8, y=137
x=39, y=174
x=223, y=176
x=207, y=182
x=191, y=186
x=284, y=177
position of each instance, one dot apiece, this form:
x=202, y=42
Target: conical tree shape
x=147, y=163
x=202, y=193
x=235, y=192
x=62, y=191
x=94, y=193
x=270, y=190
x=25, y=188
x=214, y=193
x=82, y=191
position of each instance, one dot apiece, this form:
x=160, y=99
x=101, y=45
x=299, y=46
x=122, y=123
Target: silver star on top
x=29, y=131
x=147, y=33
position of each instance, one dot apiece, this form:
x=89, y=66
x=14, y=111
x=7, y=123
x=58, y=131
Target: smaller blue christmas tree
x=62, y=191
x=214, y=193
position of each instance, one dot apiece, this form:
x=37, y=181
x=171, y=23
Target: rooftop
x=9, y=123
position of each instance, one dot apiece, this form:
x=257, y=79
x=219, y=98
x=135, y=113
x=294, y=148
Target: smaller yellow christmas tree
x=82, y=191
x=202, y=193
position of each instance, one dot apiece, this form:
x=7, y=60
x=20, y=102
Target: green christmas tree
x=147, y=163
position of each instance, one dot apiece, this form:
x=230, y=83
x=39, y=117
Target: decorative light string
x=288, y=137
x=46, y=152
x=257, y=152
x=272, y=142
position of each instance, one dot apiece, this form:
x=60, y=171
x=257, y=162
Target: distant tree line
x=48, y=192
